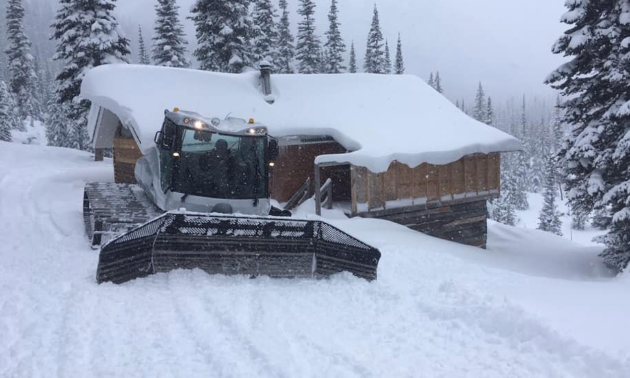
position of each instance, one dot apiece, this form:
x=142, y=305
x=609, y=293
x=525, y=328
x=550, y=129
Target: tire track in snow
x=213, y=343
x=223, y=341
x=201, y=282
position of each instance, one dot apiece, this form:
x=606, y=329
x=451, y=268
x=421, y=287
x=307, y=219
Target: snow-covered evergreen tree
x=322, y=66
x=308, y=44
x=388, y=59
x=521, y=163
x=223, y=35
x=265, y=32
x=143, y=56
x=549, y=218
x=58, y=133
x=87, y=36
x=479, y=111
x=335, y=46
x=374, y=61
x=438, y=83
x=596, y=153
x=22, y=76
x=502, y=209
x=169, y=42
x=286, y=49
x=489, y=113
x=352, y=67
x=7, y=113
x=399, y=65
x=578, y=221
x=431, y=81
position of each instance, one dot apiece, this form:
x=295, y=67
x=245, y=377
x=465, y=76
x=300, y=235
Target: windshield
x=221, y=166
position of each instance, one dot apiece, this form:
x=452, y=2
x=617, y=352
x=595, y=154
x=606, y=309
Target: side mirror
x=158, y=138
x=274, y=150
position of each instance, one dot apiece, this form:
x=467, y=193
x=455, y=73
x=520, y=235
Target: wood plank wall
x=126, y=154
x=470, y=177
x=296, y=163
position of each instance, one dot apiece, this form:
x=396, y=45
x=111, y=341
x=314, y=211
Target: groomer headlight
x=251, y=131
x=198, y=125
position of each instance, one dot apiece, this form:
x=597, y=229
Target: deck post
x=99, y=153
x=318, y=193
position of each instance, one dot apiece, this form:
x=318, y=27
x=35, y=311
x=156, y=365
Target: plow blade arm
x=235, y=245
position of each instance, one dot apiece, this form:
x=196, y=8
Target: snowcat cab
x=209, y=166
x=199, y=171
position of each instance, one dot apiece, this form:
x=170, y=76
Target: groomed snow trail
x=424, y=316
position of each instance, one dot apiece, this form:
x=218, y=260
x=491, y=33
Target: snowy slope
x=437, y=309
x=356, y=109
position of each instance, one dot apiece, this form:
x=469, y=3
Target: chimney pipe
x=265, y=80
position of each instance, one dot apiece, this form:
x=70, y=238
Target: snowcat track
x=111, y=209
x=229, y=245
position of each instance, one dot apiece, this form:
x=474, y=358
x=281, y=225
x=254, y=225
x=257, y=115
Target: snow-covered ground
x=532, y=305
x=34, y=133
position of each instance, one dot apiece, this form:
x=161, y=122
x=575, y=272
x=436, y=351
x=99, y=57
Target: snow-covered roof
x=381, y=118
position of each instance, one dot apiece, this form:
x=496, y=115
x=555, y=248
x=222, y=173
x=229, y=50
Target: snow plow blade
x=230, y=245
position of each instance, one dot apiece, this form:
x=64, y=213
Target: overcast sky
x=506, y=44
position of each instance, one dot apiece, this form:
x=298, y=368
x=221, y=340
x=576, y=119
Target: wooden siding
x=296, y=163
x=470, y=177
x=126, y=154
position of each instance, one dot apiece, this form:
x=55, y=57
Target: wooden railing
x=326, y=195
x=300, y=196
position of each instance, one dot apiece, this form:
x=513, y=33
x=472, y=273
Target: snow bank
x=380, y=117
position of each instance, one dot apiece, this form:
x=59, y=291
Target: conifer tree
x=578, y=220
x=479, y=112
x=374, y=61
x=286, y=49
x=88, y=36
x=7, y=120
x=169, y=42
x=388, y=59
x=308, y=43
x=438, y=83
x=335, y=46
x=431, y=81
x=57, y=132
x=522, y=162
x=489, y=113
x=549, y=218
x=502, y=209
x=353, y=59
x=519, y=195
x=223, y=34
x=595, y=115
x=265, y=32
x=399, y=65
x=322, y=61
x=22, y=76
x=143, y=56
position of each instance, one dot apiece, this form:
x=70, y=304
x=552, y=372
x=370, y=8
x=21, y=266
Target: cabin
x=374, y=146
